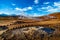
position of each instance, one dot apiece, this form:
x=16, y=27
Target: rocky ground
x=28, y=33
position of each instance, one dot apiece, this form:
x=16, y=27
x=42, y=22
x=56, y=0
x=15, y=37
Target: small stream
x=3, y=28
x=48, y=30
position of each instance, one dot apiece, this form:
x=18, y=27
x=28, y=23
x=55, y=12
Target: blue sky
x=29, y=7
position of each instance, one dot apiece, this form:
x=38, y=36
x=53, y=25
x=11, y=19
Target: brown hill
x=57, y=15
x=52, y=16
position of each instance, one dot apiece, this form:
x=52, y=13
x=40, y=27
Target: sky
x=29, y=7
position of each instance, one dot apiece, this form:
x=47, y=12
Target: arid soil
x=14, y=28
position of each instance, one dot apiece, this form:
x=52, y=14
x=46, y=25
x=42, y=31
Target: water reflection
x=3, y=28
x=48, y=30
x=28, y=33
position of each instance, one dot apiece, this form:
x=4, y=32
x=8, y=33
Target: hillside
x=52, y=16
x=43, y=19
x=12, y=25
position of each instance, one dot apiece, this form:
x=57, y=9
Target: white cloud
x=36, y=14
x=36, y=1
x=45, y=8
x=57, y=4
x=30, y=8
x=24, y=9
x=13, y=4
x=46, y=3
x=10, y=11
x=51, y=9
x=18, y=9
x=48, y=7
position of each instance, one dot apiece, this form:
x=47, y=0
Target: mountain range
x=3, y=15
x=55, y=15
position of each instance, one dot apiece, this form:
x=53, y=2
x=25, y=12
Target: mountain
x=2, y=15
x=57, y=15
x=52, y=16
x=12, y=15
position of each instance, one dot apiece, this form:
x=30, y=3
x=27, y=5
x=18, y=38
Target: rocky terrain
x=28, y=33
x=36, y=28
